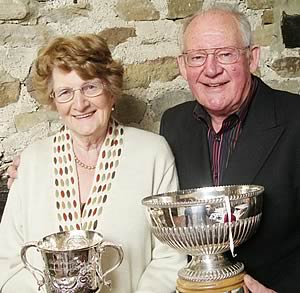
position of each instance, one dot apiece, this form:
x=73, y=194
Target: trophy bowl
x=205, y=223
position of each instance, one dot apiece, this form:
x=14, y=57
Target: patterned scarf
x=66, y=180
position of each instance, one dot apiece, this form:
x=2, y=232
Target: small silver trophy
x=72, y=261
x=205, y=223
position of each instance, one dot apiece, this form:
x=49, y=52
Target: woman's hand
x=256, y=287
x=12, y=171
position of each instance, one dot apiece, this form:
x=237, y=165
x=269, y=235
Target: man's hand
x=12, y=171
x=256, y=287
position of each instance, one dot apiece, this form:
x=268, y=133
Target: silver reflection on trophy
x=205, y=223
x=72, y=261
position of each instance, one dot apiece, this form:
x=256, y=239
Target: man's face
x=220, y=88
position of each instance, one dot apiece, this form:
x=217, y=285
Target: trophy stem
x=208, y=267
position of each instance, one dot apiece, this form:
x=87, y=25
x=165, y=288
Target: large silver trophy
x=72, y=262
x=205, y=223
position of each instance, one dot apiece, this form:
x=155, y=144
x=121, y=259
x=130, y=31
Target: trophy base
x=233, y=284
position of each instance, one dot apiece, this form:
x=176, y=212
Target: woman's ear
x=113, y=99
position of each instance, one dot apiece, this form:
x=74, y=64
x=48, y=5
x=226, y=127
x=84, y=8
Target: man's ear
x=254, y=58
x=181, y=66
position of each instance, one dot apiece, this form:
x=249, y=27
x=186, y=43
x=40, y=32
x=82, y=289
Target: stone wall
x=143, y=34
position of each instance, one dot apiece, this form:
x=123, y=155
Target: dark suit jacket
x=267, y=153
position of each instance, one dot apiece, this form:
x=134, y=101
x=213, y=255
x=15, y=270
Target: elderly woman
x=91, y=175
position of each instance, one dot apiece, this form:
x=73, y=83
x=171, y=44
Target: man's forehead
x=213, y=21
x=205, y=28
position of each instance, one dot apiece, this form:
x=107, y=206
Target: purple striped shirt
x=221, y=144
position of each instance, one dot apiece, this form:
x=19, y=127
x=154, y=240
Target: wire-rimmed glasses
x=89, y=89
x=226, y=55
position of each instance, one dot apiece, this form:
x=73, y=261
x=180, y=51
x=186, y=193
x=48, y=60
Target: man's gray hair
x=241, y=18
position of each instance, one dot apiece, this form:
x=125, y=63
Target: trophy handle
x=30, y=267
x=101, y=247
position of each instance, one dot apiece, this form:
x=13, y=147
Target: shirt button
x=217, y=138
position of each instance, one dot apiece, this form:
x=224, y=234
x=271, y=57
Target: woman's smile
x=84, y=116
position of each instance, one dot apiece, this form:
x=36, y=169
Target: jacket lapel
x=192, y=157
x=260, y=134
x=201, y=163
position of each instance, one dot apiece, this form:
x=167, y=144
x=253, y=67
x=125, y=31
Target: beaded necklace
x=83, y=165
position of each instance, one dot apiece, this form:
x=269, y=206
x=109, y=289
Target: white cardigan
x=145, y=167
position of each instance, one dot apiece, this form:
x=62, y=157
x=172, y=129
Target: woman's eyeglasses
x=89, y=90
x=227, y=55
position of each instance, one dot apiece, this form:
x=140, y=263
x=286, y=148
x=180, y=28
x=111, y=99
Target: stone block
x=117, y=35
x=268, y=16
x=180, y=9
x=141, y=75
x=25, y=121
x=260, y=4
x=136, y=10
x=13, y=9
x=129, y=110
x=16, y=35
x=264, y=35
x=9, y=89
x=290, y=28
x=17, y=60
x=287, y=66
x=157, y=32
x=168, y=100
x=63, y=15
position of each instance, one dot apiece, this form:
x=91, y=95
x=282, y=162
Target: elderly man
x=240, y=131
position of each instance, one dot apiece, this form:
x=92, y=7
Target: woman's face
x=86, y=117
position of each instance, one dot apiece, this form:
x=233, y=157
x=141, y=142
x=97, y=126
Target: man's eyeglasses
x=227, y=55
x=89, y=90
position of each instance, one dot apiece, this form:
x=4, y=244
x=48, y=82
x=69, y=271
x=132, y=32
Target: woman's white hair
x=241, y=18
